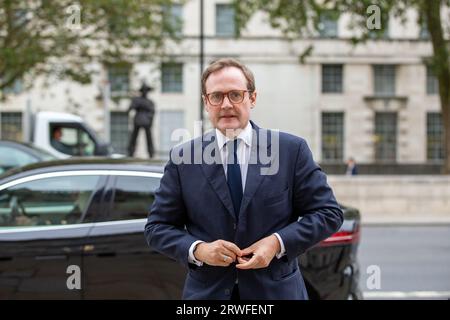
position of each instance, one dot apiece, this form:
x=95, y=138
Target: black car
x=15, y=154
x=83, y=220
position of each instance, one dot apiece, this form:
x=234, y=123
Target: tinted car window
x=133, y=197
x=47, y=201
x=11, y=158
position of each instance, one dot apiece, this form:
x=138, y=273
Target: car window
x=12, y=158
x=133, y=197
x=71, y=140
x=48, y=201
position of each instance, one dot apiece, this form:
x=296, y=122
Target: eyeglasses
x=234, y=96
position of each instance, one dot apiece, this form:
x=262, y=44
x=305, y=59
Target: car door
x=42, y=234
x=121, y=265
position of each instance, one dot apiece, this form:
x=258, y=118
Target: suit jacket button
x=227, y=292
x=234, y=226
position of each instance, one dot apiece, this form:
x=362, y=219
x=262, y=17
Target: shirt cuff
x=283, y=250
x=191, y=257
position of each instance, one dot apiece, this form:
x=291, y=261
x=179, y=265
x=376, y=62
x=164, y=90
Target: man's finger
x=228, y=253
x=250, y=264
x=225, y=260
x=242, y=260
x=247, y=251
x=232, y=247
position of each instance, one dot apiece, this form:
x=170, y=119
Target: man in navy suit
x=240, y=204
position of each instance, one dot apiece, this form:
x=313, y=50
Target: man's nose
x=226, y=103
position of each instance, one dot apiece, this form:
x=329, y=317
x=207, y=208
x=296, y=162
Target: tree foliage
x=64, y=37
x=301, y=18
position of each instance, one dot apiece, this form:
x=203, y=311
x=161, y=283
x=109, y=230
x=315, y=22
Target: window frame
x=168, y=87
x=342, y=145
x=431, y=81
x=59, y=174
x=377, y=158
x=336, y=89
x=113, y=69
x=80, y=127
x=108, y=201
x=328, y=18
x=19, y=124
x=430, y=135
x=222, y=34
x=383, y=93
x=112, y=188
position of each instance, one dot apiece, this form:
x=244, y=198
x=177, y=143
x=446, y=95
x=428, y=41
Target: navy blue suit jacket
x=193, y=203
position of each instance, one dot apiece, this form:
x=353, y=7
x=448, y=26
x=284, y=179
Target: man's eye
x=216, y=96
x=235, y=94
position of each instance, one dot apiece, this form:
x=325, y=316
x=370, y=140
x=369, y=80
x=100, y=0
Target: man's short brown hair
x=228, y=62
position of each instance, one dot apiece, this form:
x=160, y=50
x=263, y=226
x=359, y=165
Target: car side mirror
x=102, y=149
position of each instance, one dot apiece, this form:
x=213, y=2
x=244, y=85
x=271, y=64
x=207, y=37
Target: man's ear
x=253, y=98
x=204, y=103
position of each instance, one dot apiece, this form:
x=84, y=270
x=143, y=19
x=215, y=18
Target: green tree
x=63, y=37
x=302, y=18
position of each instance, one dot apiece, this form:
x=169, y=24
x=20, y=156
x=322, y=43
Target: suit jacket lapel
x=215, y=173
x=254, y=176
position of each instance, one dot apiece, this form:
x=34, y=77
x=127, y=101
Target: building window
x=332, y=78
x=174, y=16
x=424, y=34
x=432, y=81
x=11, y=126
x=328, y=24
x=172, y=77
x=384, y=80
x=385, y=136
x=333, y=136
x=15, y=88
x=435, y=137
x=119, y=79
x=168, y=122
x=119, y=131
x=225, y=26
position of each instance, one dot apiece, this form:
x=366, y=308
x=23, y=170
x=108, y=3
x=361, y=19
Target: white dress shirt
x=243, y=155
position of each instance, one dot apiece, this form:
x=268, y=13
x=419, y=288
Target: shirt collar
x=245, y=135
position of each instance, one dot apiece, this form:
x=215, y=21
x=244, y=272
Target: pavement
x=405, y=261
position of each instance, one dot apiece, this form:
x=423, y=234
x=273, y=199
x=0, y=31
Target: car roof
x=26, y=147
x=17, y=144
x=85, y=163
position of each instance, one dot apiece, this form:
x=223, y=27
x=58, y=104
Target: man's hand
x=218, y=253
x=263, y=252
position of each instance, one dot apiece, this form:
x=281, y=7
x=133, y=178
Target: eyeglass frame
x=206, y=95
